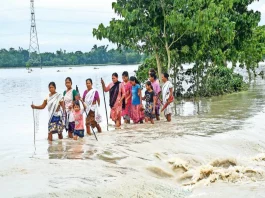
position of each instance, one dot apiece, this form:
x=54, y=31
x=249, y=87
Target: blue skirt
x=79, y=133
x=56, y=125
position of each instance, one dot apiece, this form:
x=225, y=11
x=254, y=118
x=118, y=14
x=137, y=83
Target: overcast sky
x=65, y=24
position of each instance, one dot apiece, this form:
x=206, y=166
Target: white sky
x=65, y=24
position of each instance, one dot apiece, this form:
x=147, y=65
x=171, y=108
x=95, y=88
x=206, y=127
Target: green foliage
x=143, y=70
x=174, y=32
x=222, y=80
x=97, y=55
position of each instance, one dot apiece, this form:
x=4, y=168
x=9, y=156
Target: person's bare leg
x=157, y=117
x=60, y=136
x=70, y=134
x=152, y=121
x=75, y=137
x=169, y=117
x=120, y=122
x=98, y=128
x=88, y=131
x=146, y=119
x=50, y=136
x=117, y=125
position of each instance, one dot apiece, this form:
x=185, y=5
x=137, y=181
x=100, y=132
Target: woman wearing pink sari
x=117, y=94
x=127, y=101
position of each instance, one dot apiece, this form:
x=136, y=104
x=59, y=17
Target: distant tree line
x=97, y=55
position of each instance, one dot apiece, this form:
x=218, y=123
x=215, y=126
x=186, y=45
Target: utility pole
x=34, y=50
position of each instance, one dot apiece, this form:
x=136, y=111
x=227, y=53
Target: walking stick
x=87, y=115
x=34, y=123
x=105, y=108
x=66, y=116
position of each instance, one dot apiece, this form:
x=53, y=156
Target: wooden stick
x=34, y=124
x=105, y=108
x=87, y=115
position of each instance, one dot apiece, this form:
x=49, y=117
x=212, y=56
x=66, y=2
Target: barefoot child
x=150, y=99
x=79, y=121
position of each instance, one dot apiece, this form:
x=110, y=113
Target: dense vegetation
x=98, y=55
x=207, y=33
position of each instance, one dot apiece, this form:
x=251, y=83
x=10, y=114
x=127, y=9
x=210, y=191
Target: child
x=150, y=99
x=79, y=122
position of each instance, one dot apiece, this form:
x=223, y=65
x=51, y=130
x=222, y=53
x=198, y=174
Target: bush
x=221, y=80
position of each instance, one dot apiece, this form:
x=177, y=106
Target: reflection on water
x=69, y=149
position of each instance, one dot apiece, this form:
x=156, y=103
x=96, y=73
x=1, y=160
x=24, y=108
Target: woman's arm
x=170, y=92
x=41, y=106
x=84, y=104
x=155, y=99
x=62, y=104
x=130, y=95
x=122, y=92
x=140, y=95
x=105, y=89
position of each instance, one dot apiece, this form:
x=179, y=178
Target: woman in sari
x=127, y=101
x=137, y=114
x=151, y=70
x=167, y=93
x=92, y=101
x=157, y=90
x=53, y=101
x=69, y=98
x=117, y=94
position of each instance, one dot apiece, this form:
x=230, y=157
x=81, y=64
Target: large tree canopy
x=205, y=32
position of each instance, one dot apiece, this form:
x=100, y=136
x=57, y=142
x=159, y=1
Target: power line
x=54, y=21
x=58, y=9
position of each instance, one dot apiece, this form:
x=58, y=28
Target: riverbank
x=70, y=66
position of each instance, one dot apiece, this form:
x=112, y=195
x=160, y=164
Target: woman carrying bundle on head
x=92, y=101
x=127, y=101
x=117, y=94
x=137, y=114
x=69, y=98
x=54, y=102
x=150, y=98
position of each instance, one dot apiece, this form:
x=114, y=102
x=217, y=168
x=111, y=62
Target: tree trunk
x=168, y=58
x=197, y=79
x=249, y=75
x=159, y=69
x=175, y=79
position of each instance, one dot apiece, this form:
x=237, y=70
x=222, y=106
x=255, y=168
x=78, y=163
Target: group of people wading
x=66, y=111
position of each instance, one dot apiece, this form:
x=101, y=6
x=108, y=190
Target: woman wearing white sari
x=53, y=101
x=69, y=96
x=167, y=92
x=92, y=100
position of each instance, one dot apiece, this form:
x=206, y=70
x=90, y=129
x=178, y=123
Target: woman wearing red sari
x=117, y=94
x=127, y=101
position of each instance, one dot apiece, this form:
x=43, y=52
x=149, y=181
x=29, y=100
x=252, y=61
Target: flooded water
x=213, y=147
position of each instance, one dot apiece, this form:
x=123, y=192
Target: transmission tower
x=34, y=50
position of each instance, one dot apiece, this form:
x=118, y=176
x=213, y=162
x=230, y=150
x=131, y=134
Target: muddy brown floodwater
x=213, y=147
